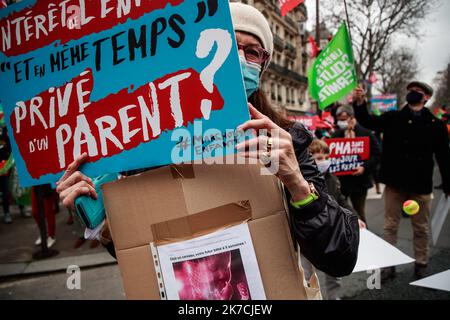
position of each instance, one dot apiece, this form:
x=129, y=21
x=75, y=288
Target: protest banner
x=348, y=154
x=333, y=74
x=440, y=281
x=309, y=122
x=115, y=79
x=383, y=103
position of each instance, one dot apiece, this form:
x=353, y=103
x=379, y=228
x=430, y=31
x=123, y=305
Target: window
x=272, y=92
x=288, y=95
x=279, y=98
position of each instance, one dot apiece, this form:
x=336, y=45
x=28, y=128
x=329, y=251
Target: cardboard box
x=186, y=201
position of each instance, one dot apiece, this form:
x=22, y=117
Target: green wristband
x=303, y=203
x=313, y=196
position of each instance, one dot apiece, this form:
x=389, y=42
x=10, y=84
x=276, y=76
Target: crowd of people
x=404, y=146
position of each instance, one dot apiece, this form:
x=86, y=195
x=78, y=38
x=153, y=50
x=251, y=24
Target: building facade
x=285, y=82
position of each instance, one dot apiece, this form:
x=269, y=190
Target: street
x=104, y=282
x=96, y=283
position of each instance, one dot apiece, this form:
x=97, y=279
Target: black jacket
x=328, y=234
x=409, y=143
x=355, y=184
x=334, y=189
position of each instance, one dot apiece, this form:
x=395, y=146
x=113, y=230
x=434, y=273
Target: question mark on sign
x=204, y=46
x=74, y=21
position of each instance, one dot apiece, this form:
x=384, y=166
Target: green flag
x=333, y=74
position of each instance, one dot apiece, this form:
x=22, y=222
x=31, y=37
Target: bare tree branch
x=375, y=22
x=397, y=68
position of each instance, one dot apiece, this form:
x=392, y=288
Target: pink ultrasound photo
x=216, y=277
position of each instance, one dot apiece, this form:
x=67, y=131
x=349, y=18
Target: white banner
x=440, y=281
x=439, y=217
x=375, y=253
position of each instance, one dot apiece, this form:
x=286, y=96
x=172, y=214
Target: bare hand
x=362, y=225
x=74, y=184
x=351, y=124
x=359, y=171
x=282, y=152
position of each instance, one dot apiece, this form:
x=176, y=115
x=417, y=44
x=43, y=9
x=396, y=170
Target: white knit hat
x=248, y=19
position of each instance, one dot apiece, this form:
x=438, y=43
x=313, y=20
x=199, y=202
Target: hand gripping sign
x=114, y=79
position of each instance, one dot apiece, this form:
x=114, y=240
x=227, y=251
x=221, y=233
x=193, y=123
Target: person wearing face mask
x=321, y=154
x=327, y=234
x=412, y=137
x=355, y=186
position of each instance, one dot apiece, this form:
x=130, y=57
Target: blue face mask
x=251, y=72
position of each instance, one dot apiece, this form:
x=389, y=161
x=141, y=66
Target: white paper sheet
x=220, y=265
x=439, y=217
x=375, y=253
x=440, y=281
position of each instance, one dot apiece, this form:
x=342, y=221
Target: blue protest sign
x=125, y=81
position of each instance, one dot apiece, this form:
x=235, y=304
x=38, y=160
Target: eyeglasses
x=254, y=53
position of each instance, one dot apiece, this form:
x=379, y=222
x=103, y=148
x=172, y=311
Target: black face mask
x=414, y=97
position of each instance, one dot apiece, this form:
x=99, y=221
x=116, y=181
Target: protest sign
x=440, y=215
x=333, y=74
x=309, y=122
x=218, y=266
x=313, y=122
x=440, y=281
x=384, y=103
x=348, y=154
x=115, y=79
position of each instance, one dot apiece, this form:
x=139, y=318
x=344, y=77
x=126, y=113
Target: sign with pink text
x=122, y=80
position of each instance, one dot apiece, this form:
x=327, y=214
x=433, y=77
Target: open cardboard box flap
x=138, y=202
x=200, y=224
